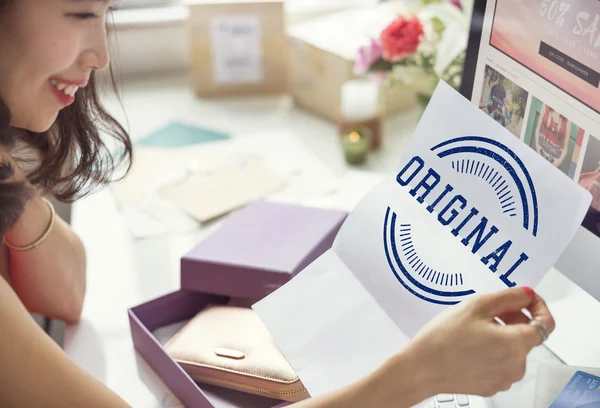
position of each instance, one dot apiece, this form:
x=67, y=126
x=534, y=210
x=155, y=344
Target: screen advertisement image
x=555, y=137
x=559, y=40
x=503, y=100
x=590, y=180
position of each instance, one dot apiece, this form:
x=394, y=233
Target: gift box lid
x=259, y=248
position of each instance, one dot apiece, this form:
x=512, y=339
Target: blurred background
x=146, y=29
x=311, y=101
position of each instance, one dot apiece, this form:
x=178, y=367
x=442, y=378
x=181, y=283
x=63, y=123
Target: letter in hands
x=469, y=352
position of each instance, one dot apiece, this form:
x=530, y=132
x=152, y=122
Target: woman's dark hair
x=73, y=155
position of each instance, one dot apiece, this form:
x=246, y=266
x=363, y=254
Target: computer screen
x=534, y=67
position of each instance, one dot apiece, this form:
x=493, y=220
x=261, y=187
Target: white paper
x=393, y=257
x=308, y=179
x=168, y=214
x=323, y=336
x=350, y=190
x=232, y=185
x=236, y=49
x=140, y=224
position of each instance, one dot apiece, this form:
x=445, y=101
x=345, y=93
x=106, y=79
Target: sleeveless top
x=552, y=135
x=554, y=131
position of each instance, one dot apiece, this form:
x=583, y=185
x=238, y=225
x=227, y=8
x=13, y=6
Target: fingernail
x=530, y=292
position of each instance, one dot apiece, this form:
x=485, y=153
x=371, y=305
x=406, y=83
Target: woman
x=50, y=144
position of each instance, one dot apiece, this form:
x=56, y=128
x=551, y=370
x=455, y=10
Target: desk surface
x=123, y=272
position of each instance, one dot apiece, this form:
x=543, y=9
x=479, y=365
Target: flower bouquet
x=419, y=49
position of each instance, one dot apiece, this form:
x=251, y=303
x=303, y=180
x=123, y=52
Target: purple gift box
x=256, y=250
x=259, y=249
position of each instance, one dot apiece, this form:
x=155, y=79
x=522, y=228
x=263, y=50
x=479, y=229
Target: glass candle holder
x=356, y=144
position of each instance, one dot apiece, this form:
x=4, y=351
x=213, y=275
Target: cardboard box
x=322, y=55
x=256, y=250
x=237, y=47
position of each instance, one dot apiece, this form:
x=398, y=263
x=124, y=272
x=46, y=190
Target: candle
x=359, y=108
x=359, y=100
x=356, y=145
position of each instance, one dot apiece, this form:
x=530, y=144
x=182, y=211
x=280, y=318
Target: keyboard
x=456, y=401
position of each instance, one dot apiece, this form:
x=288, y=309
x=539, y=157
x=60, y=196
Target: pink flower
x=367, y=56
x=455, y=3
x=401, y=38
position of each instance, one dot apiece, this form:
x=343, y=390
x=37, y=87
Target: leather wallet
x=229, y=346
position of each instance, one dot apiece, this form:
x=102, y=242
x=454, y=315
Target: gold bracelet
x=44, y=235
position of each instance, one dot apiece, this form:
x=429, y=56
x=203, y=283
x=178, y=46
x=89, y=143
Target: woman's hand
x=464, y=350
x=468, y=352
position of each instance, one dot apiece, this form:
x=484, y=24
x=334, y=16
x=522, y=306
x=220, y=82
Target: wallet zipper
x=250, y=388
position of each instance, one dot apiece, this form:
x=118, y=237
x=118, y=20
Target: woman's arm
x=35, y=372
x=491, y=357
x=50, y=278
x=403, y=381
x=29, y=358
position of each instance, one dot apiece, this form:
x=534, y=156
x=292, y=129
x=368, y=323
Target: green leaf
x=381, y=65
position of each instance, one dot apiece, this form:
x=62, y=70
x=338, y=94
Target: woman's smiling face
x=48, y=49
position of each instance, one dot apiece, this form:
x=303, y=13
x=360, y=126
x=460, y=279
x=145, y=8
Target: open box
x=255, y=251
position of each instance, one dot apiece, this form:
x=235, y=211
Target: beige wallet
x=229, y=346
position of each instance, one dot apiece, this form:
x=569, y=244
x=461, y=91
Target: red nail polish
x=530, y=292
